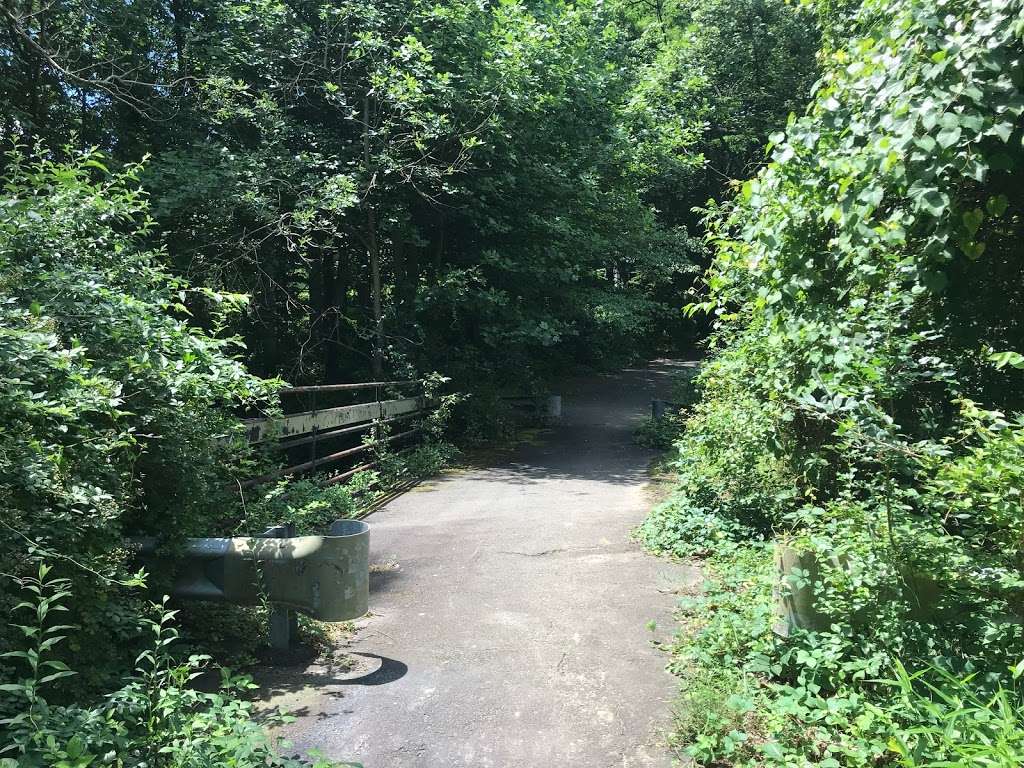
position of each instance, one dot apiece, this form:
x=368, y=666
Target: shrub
x=308, y=503
x=732, y=485
x=660, y=433
x=860, y=400
x=154, y=718
x=117, y=409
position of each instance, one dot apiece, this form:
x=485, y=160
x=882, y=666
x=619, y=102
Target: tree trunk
x=438, y=246
x=179, y=20
x=373, y=251
x=373, y=247
x=330, y=309
x=36, y=99
x=342, y=280
x=406, y=257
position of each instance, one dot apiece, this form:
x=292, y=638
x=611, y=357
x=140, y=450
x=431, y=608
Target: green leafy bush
x=660, y=433
x=860, y=403
x=308, y=503
x=484, y=418
x=117, y=407
x=731, y=485
x=155, y=718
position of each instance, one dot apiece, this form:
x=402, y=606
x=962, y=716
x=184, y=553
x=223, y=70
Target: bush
x=731, y=483
x=308, y=503
x=661, y=433
x=860, y=402
x=484, y=418
x=117, y=411
x=155, y=718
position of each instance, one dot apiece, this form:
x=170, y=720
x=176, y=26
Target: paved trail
x=512, y=632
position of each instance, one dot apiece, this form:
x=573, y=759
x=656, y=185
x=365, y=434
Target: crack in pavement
x=545, y=552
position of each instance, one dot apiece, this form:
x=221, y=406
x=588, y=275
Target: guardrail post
x=284, y=626
x=284, y=623
x=555, y=406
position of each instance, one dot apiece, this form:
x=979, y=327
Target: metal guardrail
x=325, y=420
x=326, y=577
x=323, y=576
x=345, y=387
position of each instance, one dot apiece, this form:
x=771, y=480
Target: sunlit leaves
x=116, y=412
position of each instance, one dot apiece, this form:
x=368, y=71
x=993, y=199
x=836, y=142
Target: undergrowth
x=236, y=635
x=852, y=474
x=750, y=697
x=661, y=432
x=155, y=718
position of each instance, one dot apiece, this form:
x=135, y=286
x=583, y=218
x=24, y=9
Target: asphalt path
x=510, y=610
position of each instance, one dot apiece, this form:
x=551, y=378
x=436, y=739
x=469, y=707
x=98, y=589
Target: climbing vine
x=859, y=405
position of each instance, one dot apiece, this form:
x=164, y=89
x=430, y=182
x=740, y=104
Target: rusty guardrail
x=317, y=427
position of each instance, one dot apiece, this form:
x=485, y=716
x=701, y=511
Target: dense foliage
x=396, y=185
x=862, y=407
x=156, y=717
x=200, y=190
x=116, y=410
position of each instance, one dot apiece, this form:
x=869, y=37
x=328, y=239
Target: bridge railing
x=329, y=431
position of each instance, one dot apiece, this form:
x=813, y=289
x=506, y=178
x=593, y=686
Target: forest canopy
x=410, y=185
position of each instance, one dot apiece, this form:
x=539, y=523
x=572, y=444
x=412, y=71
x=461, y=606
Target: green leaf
x=1008, y=358
x=972, y=220
x=56, y=676
x=950, y=132
x=929, y=198
x=772, y=750
x=997, y=205
x=948, y=136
